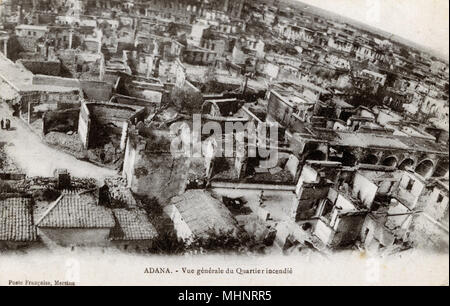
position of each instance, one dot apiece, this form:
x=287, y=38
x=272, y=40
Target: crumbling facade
x=152, y=170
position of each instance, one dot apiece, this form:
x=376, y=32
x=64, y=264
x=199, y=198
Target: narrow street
x=37, y=159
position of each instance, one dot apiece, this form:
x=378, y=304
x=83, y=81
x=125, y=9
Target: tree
x=14, y=48
x=168, y=243
x=187, y=101
x=225, y=242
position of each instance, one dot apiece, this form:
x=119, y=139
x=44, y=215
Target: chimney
x=63, y=180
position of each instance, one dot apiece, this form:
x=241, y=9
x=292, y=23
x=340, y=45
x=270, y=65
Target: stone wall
x=68, y=62
x=27, y=44
x=108, y=112
x=42, y=67
x=309, y=197
x=160, y=175
x=155, y=174
x=93, y=90
x=279, y=110
x=150, y=106
x=96, y=117
x=348, y=230
x=364, y=189
x=429, y=235
x=40, y=79
x=61, y=121
x=84, y=124
x=96, y=90
x=75, y=237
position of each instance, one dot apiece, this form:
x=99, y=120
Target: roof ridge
x=83, y=192
x=50, y=209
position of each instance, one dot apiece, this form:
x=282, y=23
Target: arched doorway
x=406, y=164
x=425, y=168
x=316, y=155
x=441, y=169
x=370, y=160
x=433, y=109
x=390, y=161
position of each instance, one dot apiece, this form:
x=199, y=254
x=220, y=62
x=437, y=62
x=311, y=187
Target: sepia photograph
x=224, y=143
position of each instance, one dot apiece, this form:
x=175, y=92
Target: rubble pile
x=119, y=191
x=65, y=142
x=6, y=164
x=36, y=183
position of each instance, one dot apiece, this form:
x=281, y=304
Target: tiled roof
x=16, y=221
x=203, y=213
x=132, y=225
x=76, y=211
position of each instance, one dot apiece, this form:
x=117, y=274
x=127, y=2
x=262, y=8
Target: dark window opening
x=410, y=185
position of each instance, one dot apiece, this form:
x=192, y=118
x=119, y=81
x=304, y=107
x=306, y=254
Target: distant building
x=377, y=77
x=31, y=31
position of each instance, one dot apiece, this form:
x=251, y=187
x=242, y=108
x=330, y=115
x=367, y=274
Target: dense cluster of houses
x=123, y=79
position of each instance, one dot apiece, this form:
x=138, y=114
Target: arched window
x=390, y=161
x=441, y=169
x=425, y=168
x=406, y=164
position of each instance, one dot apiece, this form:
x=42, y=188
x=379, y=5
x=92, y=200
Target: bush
x=225, y=242
x=213, y=242
x=168, y=243
x=48, y=195
x=6, y=188
x=188, y=102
